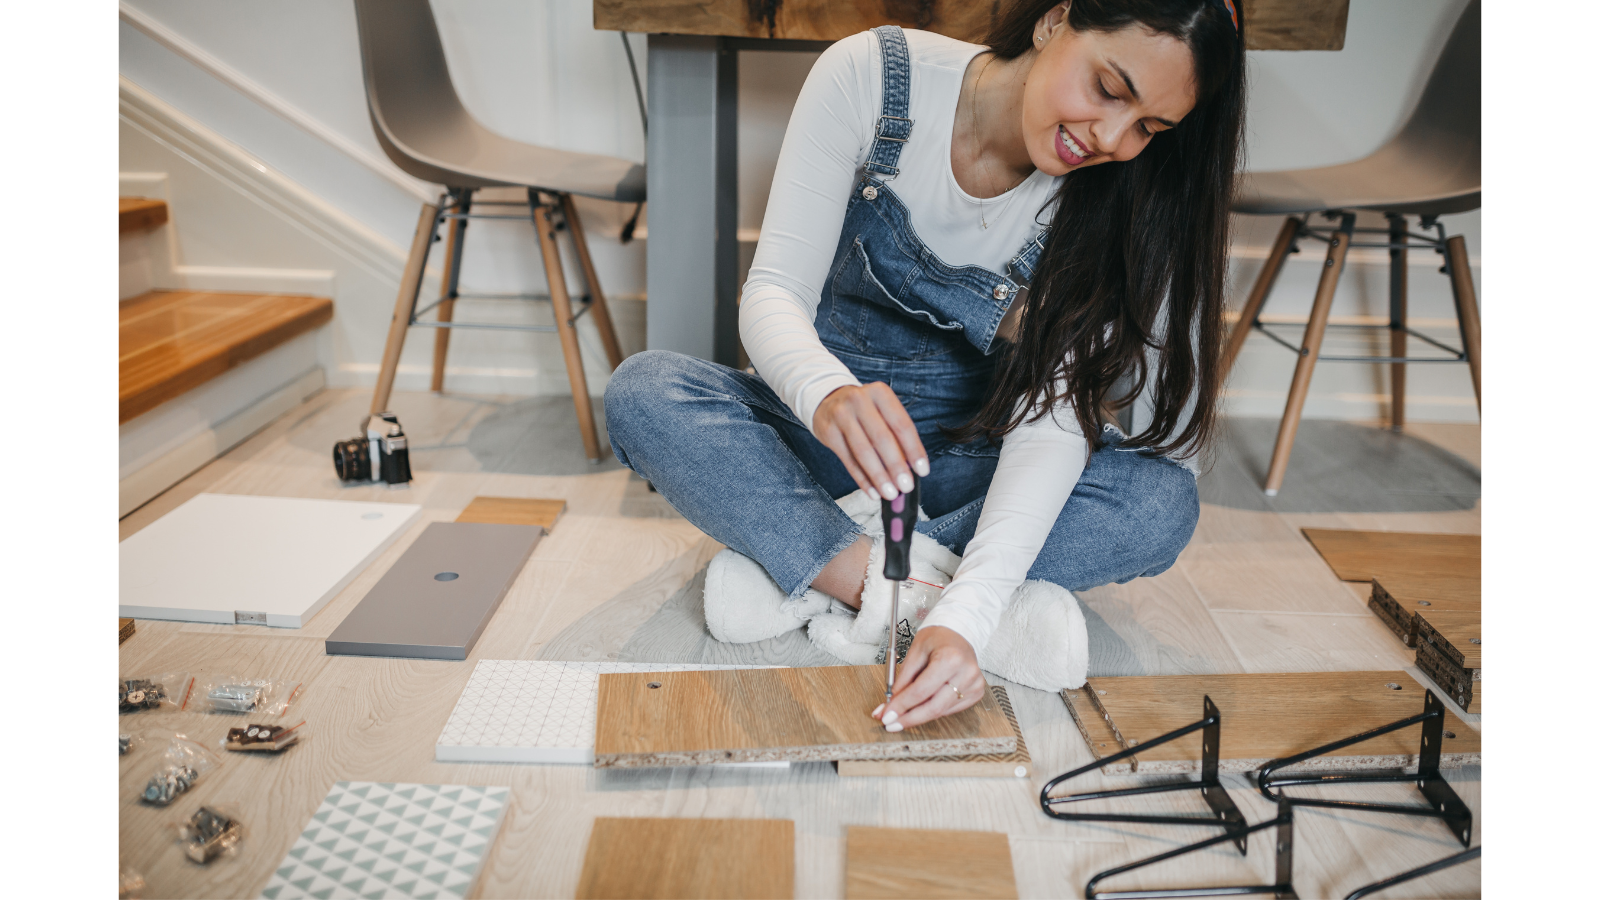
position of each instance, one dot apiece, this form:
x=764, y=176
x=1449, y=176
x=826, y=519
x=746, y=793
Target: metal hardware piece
x=1284, y=854
x=1224, y=810
x=234, y=697
x=208, y=833
x=877, y=130
x=1443, y=802
x=870, y=192
x=1002, y=291
x=1418, y=872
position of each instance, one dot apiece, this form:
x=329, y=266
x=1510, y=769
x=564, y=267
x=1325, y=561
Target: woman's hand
x=940, y=676
x=874, y=438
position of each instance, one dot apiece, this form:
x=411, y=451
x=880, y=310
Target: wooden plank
x=124, y=630
x=766, y=715
x=1017, y=764
x=889, y=863
x=635, y=859
x=1456, y=633
x=513, y=511
x=1269, y=24
x=1365, y=555
x=1397, y=599
x=171, y=342
x=138, y=213
x=1266, y=717
x=1465, y=686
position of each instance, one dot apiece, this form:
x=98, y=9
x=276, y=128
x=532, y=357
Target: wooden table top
x=1270, y=24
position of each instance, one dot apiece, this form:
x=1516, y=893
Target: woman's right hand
x=873, y=436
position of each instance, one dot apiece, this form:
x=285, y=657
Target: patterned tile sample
x=392, y=840
x=533, y=711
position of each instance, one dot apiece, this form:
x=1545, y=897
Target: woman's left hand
x=940, y=676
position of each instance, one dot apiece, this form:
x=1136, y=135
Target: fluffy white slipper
x=830, y=632
x=744, y=604
x=930, y=562
x=1042, y=640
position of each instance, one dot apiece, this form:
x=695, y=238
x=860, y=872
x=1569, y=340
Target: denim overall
x=732, y=458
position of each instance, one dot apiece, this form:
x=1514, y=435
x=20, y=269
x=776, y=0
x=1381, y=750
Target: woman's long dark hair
x=1126, y=236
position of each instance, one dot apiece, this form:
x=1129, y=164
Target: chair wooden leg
x=1397, y=321
x=449, y=282
x=1316, y=327
x=569, y=336
x=1259, y=292
x=598, y=309
x=405, y=304
x=1466, y=311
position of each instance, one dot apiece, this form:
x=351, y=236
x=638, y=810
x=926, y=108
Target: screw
x=653, y=684
x=1474, y=641
x=1392, y=686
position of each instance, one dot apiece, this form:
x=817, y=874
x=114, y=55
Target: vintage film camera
x=382, y=455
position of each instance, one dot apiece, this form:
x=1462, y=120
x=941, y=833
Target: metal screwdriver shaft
x=899, y=522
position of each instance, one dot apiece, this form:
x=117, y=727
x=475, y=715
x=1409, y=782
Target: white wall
x=536, y=70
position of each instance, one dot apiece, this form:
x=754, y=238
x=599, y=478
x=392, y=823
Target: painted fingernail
x=921, y=466
x=895, y=727
x=873, y=494
x=888, y=491
x=889, y=717
x=905, y=482
x=878, y=710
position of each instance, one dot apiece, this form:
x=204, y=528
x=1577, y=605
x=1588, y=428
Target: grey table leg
x=692, y=250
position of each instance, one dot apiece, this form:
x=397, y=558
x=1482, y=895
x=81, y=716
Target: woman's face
x=1094, y=97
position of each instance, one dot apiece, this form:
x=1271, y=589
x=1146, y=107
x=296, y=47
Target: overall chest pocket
x=869, y=315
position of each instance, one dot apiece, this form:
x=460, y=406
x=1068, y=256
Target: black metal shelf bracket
x=1282, y=889
x=1429, y=869
x=1225, y=813
x=1443, y=802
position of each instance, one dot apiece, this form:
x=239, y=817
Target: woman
x=969, y=256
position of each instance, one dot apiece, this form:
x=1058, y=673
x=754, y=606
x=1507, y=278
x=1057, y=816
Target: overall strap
x=893, y=129
x=1022, y=266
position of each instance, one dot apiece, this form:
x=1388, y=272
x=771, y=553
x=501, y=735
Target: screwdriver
x=899, y=521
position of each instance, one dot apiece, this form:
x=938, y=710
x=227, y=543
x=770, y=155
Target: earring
x=1037, y=39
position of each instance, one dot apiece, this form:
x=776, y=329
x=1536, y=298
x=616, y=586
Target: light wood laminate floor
x=620, y=578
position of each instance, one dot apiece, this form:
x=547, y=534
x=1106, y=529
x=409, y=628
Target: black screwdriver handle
x=899, y=521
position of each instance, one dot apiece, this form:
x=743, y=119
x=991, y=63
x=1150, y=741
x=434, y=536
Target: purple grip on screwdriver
x=897, y=531
x=898, y=504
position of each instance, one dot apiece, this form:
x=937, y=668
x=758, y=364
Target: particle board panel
x=532, y=711
x=766, y=715
x=513, y=511
x=1270, y=24
x=1399, y=598
x=138, y=213
x=1017, y=764
x=891, y=863
x=438, y=597
x=1456, y=634
x=170, y=342
x=231, y=558
x=124, y=630
x=1465, y=686
x=1266, y=717
x=1365, y=555
x=643, y=859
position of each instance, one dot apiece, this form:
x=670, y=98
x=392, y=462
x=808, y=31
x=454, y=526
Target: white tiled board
x=228, y=558
x=533, y=711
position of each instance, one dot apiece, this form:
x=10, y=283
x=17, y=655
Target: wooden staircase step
x=135, y=213
x=174, y=341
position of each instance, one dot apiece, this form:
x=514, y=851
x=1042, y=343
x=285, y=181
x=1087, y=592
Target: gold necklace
x=988, y=175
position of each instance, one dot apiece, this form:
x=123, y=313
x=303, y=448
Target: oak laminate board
x=1266, y=717
x=1270, y=24
x=513, y=511
x=1365, y=555
x=768, y=715
x=1465, y=686
x=642, y=859
x=1458, y=634
x=124, y=630
x=892, y=863
x=1017, y=764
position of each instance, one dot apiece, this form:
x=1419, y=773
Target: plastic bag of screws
x=181, y=766
x=209, y=833
x=269, y=738
x=127, y=741
x=239, y=696
x=170, y=690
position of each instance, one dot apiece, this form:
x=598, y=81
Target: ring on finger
x=959, y=695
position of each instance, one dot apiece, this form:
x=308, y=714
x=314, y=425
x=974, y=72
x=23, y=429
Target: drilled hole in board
x=446, y=576
x=1392, y=686
x=1474, y=641
x=653, y=684
x=1424, y=603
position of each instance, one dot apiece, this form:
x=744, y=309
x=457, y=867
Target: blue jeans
x=729, y=455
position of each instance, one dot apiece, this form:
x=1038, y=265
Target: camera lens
x=350, y=460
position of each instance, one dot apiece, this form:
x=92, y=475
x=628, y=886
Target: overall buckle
x=904, y=131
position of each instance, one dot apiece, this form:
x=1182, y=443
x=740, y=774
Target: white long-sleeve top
x=827, y=142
